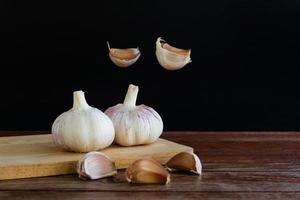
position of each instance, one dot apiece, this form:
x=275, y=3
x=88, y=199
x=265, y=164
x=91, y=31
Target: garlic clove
x=123, y=57
x=171, y=58
x=184, y=161
x=147, y=171
x=95, y=165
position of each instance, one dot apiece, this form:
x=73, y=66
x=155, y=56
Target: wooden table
x=236, y=165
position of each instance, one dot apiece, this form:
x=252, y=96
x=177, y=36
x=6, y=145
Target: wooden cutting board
x=36, y=155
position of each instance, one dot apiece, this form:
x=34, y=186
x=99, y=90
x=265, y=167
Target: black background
x=244, y=74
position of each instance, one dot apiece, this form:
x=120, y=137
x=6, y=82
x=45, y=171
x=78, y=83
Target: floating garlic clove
x=135, y=125
x=171, y=58
x=124, y=57
x=147, y=171
x=95, y=165
x=82, y=128
x=185, y=161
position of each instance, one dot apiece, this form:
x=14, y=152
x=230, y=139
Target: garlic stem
x=131, y=96
x=79, y=102
x=108, y=45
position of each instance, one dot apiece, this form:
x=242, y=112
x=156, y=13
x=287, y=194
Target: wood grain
x=208, y=182
x=36, y=155
x=236, y=165
x=73, y=195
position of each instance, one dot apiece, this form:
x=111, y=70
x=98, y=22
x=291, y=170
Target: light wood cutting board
x=36, y=155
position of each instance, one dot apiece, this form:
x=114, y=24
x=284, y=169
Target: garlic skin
x=82, y=128
x=123, y=57
x=171, y=58
x=95, y=165
x=135, y=125
x=147, y=171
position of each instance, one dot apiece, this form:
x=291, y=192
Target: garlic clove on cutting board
x=95, y=165
x=171, y=58
x=123, y=57
x=185, y=161
x=147, y=171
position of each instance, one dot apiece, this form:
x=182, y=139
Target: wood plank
x=73, y=195
x=36, y=155
x=245, y=148
x=250, y=163
x=233, y=136
x=22, y=133
x=234, y=144
x=208, y=182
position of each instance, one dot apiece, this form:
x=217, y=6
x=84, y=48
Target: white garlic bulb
x=82, y=128
x=135, y=125
x=124, y=57
x=171, y=58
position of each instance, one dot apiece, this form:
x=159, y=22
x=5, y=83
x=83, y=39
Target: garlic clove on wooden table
x=147, y=171
x=185, y=161
x=95, y=165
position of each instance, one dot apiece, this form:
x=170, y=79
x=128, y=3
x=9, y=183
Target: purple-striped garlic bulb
x=134, y=125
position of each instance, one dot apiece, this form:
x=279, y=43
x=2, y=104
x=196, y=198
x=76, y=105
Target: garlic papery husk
x=147, y=171
x=171, y=58
x=135, y=125
x=123, y=57
x=82, y=128
x=186, y=162
x=95, y=165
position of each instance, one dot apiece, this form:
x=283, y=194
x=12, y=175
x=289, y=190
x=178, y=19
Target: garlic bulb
x=95, y=165
x=82, y=128
x=171, y=58
x=124, y=57
x=135, y=125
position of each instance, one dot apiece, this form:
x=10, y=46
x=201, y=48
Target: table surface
x=236, y=165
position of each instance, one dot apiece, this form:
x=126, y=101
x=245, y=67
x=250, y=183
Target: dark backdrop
x=244, y=74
